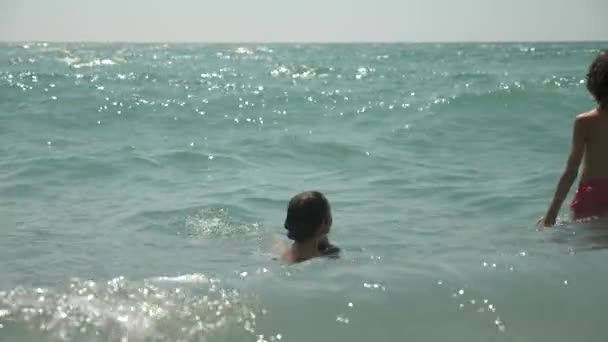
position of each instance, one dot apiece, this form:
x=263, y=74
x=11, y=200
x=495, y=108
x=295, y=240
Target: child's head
x=308, y=216
x=597, y=79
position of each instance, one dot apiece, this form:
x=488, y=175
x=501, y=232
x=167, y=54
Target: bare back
x=595, y=162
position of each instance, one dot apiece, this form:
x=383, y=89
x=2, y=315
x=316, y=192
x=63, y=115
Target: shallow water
x=142, y=188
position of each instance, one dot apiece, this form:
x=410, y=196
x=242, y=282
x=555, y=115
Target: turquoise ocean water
x=142, y=188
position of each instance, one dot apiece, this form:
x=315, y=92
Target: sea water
x=143, y=189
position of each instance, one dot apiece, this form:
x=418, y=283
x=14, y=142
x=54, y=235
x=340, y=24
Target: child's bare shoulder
x=587, y=119
x=587, y=116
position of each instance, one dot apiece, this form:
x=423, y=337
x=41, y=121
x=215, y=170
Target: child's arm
x=570, y=173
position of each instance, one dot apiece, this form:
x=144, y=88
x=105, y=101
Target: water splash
x=119, y=309
x=217, y=222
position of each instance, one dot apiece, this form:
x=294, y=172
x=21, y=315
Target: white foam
x=185, y=279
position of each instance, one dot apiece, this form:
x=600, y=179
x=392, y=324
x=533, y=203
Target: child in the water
x=308, y=223
x=589, y=145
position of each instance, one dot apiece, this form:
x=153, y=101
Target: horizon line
x=311, y=42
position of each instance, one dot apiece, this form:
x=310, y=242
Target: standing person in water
x=589, y=145
x=308, y=223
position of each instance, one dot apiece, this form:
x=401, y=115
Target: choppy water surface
x=142, y=188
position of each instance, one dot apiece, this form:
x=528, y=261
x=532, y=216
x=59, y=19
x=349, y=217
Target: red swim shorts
x=591, y=199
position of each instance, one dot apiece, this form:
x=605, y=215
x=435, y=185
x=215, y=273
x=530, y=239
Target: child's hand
x=546, y=221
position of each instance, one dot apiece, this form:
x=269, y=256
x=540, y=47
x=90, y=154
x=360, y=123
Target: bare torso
x=595, y=161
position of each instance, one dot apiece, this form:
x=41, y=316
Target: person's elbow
x=570, y=174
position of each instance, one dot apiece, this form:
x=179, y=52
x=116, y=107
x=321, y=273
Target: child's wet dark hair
x=306, y=212
x=597, y=79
